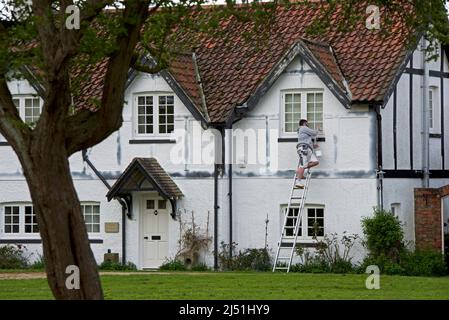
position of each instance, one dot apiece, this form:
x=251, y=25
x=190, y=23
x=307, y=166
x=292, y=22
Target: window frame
x=22, y=106
x=305, y=237
x=303, y=114
x=156, y=130
x=434, y=111
x=84, y=204
x=22, y=221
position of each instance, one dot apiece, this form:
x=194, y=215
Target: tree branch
x=86, y=128
x=12, y=126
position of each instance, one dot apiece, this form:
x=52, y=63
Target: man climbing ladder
x=305, y=150
x=298, y=194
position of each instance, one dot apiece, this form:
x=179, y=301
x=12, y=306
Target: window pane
x=297, y=107
x=150, y=204
x=288, y=98
x=87, y=209
x=141, y=101
x=96, y=209
x=95, y=228
x=162, y=204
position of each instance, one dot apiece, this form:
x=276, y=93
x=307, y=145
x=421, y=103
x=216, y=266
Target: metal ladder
x=287, y=244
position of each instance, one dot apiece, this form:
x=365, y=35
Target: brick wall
x=428, y=224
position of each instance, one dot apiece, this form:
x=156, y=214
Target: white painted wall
x=344, y=182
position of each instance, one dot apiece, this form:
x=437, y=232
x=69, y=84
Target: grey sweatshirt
x=305, y=135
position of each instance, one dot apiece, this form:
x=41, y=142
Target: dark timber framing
x=442, y=107
x=395, y=123
x=415, y=174
x=410, y=92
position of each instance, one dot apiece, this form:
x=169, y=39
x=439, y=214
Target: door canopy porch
x=145, y=174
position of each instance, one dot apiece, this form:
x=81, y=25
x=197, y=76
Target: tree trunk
x=61, y=225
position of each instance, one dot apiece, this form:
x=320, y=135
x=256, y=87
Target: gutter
x=122, y=203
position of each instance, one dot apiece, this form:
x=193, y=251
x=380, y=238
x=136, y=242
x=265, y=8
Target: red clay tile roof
x=324, y=54
x=150, y=170
x=182, y=68
x=231, y=68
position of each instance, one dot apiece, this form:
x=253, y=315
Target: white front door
x=155, y=232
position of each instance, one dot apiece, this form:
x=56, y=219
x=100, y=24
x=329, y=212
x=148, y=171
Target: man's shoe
x=299, y=186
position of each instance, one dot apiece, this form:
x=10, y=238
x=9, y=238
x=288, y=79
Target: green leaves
x=383, y=234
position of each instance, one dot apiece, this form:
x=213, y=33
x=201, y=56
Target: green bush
x=200, y=267
x=342, y=266
x=383, y=235
x=424, y=263
x=39, y=264
x=173, y=265
x=314, y=265
x=12, y=257
x=117, y=266
x=332, y=254
x=249, y=259
x=253, y=259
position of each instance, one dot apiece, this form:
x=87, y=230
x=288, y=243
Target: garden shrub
x=424, y=263
x=314, y=265
x=12, y=257
x=173, y=265
x=200, y=267
x=383, y=235
x=332, y=254
x=39, y=264
x=248, y=259
x=385, y=243
x=117, y=266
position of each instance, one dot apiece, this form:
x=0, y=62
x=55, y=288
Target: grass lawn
x=258, y=286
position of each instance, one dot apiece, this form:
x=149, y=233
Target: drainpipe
x=425, y=116
x=124, y=210
x=230, y=191
x=216, y=216
x=122, y=203
x=379, y=172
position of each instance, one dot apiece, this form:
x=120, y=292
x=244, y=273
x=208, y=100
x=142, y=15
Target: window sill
x=434, y=135
x=151, y=141
x=4, y=143
x=295, y=139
